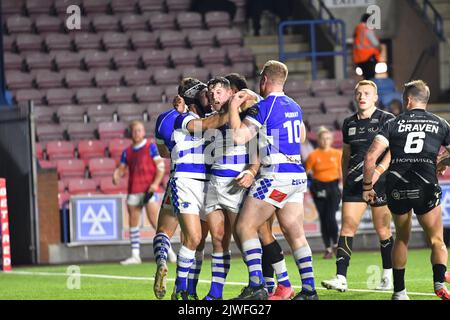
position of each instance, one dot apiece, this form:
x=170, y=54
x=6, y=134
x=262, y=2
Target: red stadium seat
x=115, y=40
x=108, y=187
x=105, y=23
x=134, y=22
x=189, y=20
x=39, y=151
x=48, y=132
x=137, y=77
x=18, y=24
x=212, y=56
x=111, y=130
x=89, y=95
x=48, y=79
x=57, y=150
x=90, y=149
x=171, y=91
x=29, y=42
x=97, y=59
x=68, y=60
x=183, y=57
x=178, y=5
x=166, y=76
x=80, y=131
x=63, y=200
x=120, y=94
x=347, y=86
x=316, y=120
x=46, y=164
x=59, y=96
x=155, y=58
x=229, y=37
x=82, y=186
x=324, y=87
x=151, y=5
x=8, y=43
x=108, y=78
x=240, y=54
x=101, y=112
x=162, y=21
x=46, y=24
x=71, y=168
x=155, y=109
x=310, y=104
x=38, y=60
x=18, y=80
x=96, y=6
x=61, y=186
x=296, y=88
x=217, y=19
x=58, y=41
x=149, y=94
x=13, y=7
x=62, y=5
x=78, y=78
x=36, y=7
x=25, y=95
x=116, y=147
x=44, y=115
x=126, y=59
x=84, y=40
x=123, y=6
x=101, y=167
x=71, y=113
x=129, y=112
x=337, y=103
x=143, y=40
x=172, y=39
x=201, y=74
x=12, y=61
x=201, y=38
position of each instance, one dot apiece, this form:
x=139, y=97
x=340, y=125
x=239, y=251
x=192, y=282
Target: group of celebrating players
x=235, y=165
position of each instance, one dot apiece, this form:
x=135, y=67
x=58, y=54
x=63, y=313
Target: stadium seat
x=178, y=5
x=137, y=77
x=133, y=22
x=123, y=6
x=89, y=95
x=162, y=21
x=62, y=5
x=120, y=94
x=59, y=96
x=48, y=79
x=150, y=127
x=101, y=168
x=166, y=76
x=44, y=115
x=58, y=41
x=97, y=59
x=108, y=78
x=108, y=187
x=25, y=95
x=155, y=109
x=38, y=60
x=57, y=150
x=48, y=132
x=240, y=54
x=143, y=40
x=149, y=94
x=201, y=38
x=78, y=79
x=315, y=120
x=183, y=57
x=8, y=43
x=337, y=104
x=18, y=24
x=115, y=40
x=39, y=151
x=155, y=58
x=82, y=186
x=126, y=59
x=81, y=131
x=244, y=68
x=229, y=37
x=217, y=19
x=199, y=73
x=340, y=117
x=170, y=91
x=151, y=5
x=189, y=20
x=12, y=61
x=18, y=80
x=90, y=149
x=310, y=105
x=324, y=87
x=105, y=23
x=63, y=200
x=47, y=24
x=28, y=42
x=96, y=6
x=347, y=87
x=111, y=130
x=101, y=112
x=116, y=147
x=71, y=113
x=46, y=164
x=296, y=88
x=37, y=7
x=85, y=40
x=172, y=39
x=337, y=139
x=131, y=111
x=68, y=60
x=12, y=7
x=212, y=56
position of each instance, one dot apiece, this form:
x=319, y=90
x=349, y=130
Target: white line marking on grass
x=107, y=276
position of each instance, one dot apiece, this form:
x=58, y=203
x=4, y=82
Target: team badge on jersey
x=351, y=131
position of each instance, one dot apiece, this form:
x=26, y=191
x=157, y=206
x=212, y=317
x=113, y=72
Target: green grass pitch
x=113, y=281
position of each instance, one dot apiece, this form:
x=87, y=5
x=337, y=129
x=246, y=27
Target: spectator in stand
x=203, y=6
x=325, y=165
x=282, y=8
x=146, y=171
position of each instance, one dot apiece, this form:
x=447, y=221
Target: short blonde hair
x=321, y=130
x=135, y=123
x=417, y=90
x=366, y=83
x=275, y=71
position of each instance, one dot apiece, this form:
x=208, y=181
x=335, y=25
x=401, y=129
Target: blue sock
x=303, y=258
x=185, y=260
x=161, y=246
x=253, y=259
x=194, y=273
x=220, y=265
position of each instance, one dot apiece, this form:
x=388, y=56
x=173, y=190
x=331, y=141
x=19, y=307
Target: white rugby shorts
x=188, y=196
x=224, y=193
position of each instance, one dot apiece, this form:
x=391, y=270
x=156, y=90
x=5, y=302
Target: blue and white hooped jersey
x=188, y=153
x=164, y=130
x=279, y=119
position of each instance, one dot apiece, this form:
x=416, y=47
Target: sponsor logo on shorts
x=298, y=182
x=278, y=196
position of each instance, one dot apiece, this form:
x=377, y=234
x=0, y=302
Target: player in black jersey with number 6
x=414, y=139
x=358, y=131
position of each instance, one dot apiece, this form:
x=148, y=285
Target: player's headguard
x=190, y=89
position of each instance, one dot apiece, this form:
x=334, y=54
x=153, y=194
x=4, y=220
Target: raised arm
x=212, y=122
x=243, y=131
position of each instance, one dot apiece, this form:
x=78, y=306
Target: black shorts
x=353, y=192
x=415, y=195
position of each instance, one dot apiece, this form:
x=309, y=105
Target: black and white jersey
x=359, y=134
x=414, y=139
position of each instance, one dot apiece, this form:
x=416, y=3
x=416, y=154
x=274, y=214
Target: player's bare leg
x=352, y=213
x=291, y=218
x=381, y=217
x=431, y=223
x=134, y=222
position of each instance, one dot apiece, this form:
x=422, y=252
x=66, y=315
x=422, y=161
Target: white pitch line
x=105, y=276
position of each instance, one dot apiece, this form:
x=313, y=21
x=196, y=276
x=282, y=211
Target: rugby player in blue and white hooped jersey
x=282, y=181
x=188, y=185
